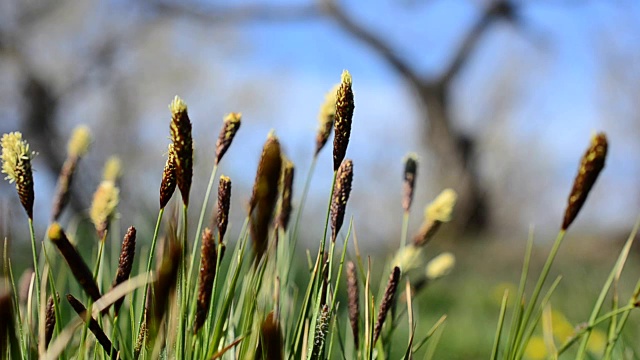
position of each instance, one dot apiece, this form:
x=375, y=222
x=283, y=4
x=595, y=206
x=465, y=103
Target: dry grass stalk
x=591, y=165
x=183, y=146
x=287, y=195
x=322, y=327
x=387, y=302
x=168, y=184
x=354, y=307
x=229, y=129
x=265, y=194
x=207, y=274
x=77, y=147
x=326, y=118
x=16, y=163
x=163, y=288
x=224, y=205
x=340, y=197
x=103, y=206
x=408, y=185
x=125, y=264
x=271, y=344
x=78, y=267
x=343, y=117
x=49, y=320
x=95, y=328
x=435, y=214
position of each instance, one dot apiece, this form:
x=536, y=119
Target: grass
x=199, y=293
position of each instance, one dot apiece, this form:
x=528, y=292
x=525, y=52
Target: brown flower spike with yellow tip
x=343, y=117
x=340, y=197
x=168, y=184
x=265, y=194
x=591, y=165
x=16, y=163
x=182, y=145
x=326, y=118
x=78, y=267
x=229, y=129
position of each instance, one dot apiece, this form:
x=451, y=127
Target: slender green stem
x=154, y=240
x=184, y=298
x=536, y=291
x=496, y=342
x=36, y=269
x=405, y=228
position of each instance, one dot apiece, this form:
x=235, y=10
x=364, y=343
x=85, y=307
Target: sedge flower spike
x=342, y=122
x=16, y=164
x=591, y=165
x=183, y=146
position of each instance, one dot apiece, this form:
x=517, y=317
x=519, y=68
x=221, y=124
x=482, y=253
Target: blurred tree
x=454, y=150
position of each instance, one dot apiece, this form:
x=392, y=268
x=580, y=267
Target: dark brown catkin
x=49, y=320
x=409, y=181
x=230, y=127
x=224, y=205
x=271, y=344
x=207, y=274
x=61, y=196
x=287, y=195
x=125, y=263
x=78, y=267
x=387, y=302
x=591, y=165
x=353, y=295
x=343, y=117
x=163, y=287
x=168, y=184
x=183, y=146
x=341, y=194
x=95, y=328
x=265, y=194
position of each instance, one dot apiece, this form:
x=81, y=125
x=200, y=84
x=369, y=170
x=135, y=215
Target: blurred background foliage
x=498, y=98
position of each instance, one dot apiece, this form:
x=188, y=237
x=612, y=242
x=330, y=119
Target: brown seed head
x=207, y=274
x=265, y=194
x=409, y=181
x=326, y=118
x=78, y=267
x=341, y=196
x=16, y=163
x=387, y=301
x=125, y=264
x=168, y=184
x=229, y=129
x=591, y=165
x=271, y=344
x=61, y=196
x=183, y=146
x=224, y=204
x=287, y=194
x=352, y=293
x=344, y=115
x=163, y=288
x=49, y=320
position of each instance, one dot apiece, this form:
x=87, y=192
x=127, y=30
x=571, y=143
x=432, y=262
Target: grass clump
x=244, y=303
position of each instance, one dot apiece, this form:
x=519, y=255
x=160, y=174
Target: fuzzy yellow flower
x=16, y=163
